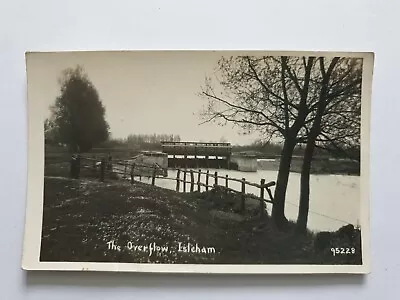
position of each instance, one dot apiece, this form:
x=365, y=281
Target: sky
x=143, y=92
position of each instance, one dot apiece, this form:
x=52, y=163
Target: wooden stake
x=153, y=179
x=198, y=181
x=184, y=181
x=243, y=194
x=177, y=180
x=207, y=177
x=262, y=206
x=191, y=181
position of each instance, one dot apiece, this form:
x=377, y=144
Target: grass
x=81, y=216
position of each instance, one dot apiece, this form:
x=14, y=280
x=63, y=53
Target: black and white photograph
x=144, y=160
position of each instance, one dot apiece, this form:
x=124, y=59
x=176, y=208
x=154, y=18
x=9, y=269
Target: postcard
x=198, y=161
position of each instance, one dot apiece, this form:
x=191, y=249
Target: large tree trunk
x=278, y=208
x=302, y=218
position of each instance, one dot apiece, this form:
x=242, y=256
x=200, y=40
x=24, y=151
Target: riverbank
x=86, y=220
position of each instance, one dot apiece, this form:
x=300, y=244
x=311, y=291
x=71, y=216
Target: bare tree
x=334, y=121
x=291, y=99
x=268, y=95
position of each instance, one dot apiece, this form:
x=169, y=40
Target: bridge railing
x=196, y=143
x=197, y=149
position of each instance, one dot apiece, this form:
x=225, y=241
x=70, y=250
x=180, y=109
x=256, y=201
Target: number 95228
x=343, y=251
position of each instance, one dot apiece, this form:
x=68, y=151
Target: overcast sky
x=143, y=92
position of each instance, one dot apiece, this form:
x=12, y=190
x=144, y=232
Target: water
x=334, y=199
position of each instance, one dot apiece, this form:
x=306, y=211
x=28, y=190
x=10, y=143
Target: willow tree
x=268, y=95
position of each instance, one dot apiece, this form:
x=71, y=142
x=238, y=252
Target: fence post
x=102, y=169
x=184, y=181
x=125, y=169
x=198, y=181
x=153, y=179
x=243, y=195
x=191, y=181
x=215, y=179
x=132, y=173
x=226, y=183
x=207, y=177
x=177, y=180
x=262, y=206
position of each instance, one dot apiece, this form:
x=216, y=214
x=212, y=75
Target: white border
x=34, y=209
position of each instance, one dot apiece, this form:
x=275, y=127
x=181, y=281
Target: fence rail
x=183, y=184
x=226, y=179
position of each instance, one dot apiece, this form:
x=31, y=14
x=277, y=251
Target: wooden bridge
x=198, y=154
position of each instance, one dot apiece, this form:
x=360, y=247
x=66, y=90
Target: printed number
x=342, y=251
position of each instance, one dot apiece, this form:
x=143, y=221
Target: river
x=334, y=199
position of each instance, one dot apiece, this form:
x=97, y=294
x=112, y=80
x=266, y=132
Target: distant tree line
x=141, y=141
x=270, y=148
x=274, y=149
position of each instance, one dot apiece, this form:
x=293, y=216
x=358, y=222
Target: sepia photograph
x=186, y=158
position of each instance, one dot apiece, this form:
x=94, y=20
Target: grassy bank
x=81, y=216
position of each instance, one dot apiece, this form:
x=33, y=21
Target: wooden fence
x=129, y=171
x=104, y=167
x=223, y=182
